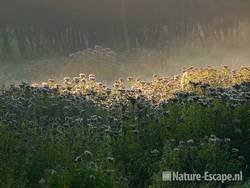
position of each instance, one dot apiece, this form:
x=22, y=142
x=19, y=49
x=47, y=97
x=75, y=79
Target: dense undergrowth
x=52, y=137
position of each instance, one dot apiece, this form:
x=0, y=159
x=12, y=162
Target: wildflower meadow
x=81, y=133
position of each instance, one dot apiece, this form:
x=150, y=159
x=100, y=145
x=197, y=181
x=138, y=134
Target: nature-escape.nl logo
x=206, y=176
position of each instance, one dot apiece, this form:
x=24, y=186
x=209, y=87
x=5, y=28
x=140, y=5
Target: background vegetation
x=31, y=28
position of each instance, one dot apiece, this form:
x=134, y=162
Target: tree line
x=34, y=27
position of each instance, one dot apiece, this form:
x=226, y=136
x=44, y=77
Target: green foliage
x=211, y=154
x=80, y=178
x=49, y=139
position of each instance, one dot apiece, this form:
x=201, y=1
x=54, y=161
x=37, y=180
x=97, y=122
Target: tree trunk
x=6, y=47
x=124, y=24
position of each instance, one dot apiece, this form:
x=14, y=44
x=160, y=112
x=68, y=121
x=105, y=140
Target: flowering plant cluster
x=81, y=133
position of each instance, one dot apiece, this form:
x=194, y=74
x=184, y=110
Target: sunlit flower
x=45, y=84
x=67, y=79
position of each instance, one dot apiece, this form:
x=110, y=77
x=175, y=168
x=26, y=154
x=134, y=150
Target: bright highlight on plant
x=159, y=89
